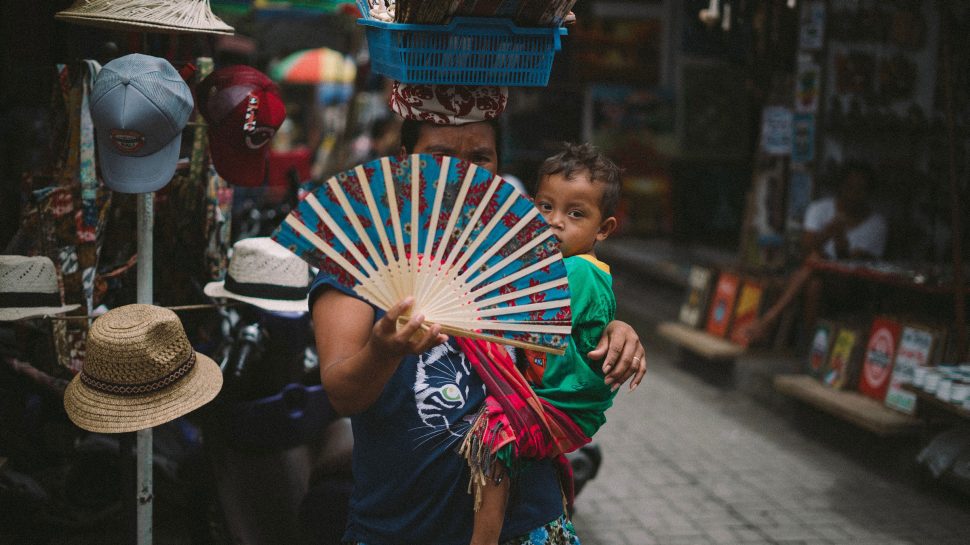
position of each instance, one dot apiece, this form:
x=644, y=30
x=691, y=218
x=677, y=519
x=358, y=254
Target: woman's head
x=476, y=143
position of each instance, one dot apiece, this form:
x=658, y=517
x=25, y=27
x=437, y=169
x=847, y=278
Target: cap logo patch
x=127, y=141
x=252, y=106
x=259, y=137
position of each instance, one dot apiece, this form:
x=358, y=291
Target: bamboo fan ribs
x=476, y=255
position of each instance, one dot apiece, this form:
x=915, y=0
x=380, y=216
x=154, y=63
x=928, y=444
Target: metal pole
x=146, y=220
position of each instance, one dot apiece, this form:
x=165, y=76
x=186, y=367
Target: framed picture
x=694, y=308
x=811, y=34
x=818, y=354
x=877, y=367
x=843, y=363
x=916, y=348
x=747, y=309
x=776, y=130
x=722, y=305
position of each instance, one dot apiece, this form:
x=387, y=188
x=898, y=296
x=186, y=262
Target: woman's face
x=474, y=143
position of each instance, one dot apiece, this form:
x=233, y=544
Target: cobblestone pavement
x=688, y=462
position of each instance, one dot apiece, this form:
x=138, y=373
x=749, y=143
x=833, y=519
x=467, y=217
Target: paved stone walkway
x=689, y=463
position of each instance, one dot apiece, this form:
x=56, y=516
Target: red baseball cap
x=243, y=109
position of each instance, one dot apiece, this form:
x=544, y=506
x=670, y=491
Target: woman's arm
x=622, y=354
x=359, y=356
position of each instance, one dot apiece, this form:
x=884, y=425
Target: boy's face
x=572, y=208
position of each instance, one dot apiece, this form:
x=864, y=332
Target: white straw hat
x=155, y=15
x=139, y=371
x=264, y=274
x=28, y=288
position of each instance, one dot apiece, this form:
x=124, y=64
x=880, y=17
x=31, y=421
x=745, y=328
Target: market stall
x=122, y=219
x=871, y=92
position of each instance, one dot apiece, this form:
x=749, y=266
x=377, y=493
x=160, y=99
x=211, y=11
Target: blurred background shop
x=729, y=118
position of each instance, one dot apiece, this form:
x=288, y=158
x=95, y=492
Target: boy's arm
x=359, y=356
x=491, y=513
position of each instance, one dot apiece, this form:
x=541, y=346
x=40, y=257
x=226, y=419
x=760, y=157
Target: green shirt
x=572, y=382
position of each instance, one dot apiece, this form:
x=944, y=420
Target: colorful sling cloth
x=513, y=416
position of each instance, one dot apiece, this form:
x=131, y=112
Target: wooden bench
x=699, y=342
x=853, y=407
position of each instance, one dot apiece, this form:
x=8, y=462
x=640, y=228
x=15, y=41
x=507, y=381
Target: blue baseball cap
x=139, y=106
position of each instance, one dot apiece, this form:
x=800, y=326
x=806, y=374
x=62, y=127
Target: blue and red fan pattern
x=473, y=251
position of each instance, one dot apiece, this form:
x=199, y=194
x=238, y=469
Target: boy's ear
x=606, y=229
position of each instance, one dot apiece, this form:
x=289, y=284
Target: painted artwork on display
x=880, y=355
x=916, y=347
x=818, y=352
x=776, y=130
x=694, y=308
x=747, y=309
x=843, y=363
x=812, y=26
x=722, y=305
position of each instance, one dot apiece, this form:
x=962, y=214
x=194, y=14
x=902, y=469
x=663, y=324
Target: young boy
x=576, y=192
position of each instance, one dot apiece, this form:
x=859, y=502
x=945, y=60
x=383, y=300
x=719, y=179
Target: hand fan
x=474, y=252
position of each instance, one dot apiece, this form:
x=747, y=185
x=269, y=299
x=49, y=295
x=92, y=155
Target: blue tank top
x=410, y=484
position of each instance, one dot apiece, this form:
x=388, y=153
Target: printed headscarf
x=447, y=104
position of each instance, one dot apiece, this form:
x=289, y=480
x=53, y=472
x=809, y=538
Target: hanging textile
x=65, y=208
x=218, y=197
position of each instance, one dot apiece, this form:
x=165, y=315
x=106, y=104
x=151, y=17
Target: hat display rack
x=146, y=16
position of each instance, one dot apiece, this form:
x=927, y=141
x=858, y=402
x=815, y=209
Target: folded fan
x=474, y=252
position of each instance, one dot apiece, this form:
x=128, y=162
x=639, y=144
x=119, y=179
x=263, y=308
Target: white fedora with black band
x=28, y=288
x=264, y=274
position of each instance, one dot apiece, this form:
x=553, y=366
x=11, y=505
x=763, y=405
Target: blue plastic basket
x=467, y=51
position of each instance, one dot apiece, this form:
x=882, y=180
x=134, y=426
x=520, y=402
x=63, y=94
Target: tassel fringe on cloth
x=513, y=416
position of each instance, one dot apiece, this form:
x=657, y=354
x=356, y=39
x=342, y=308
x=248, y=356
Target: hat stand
x=144, y=485
x=144, y=440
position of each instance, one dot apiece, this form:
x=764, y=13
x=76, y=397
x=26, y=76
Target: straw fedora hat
x=28, y=288
x=139, y=371
x=175, y=16
x=264, y=274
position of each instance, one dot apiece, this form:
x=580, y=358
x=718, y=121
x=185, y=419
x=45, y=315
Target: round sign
x=879, y=357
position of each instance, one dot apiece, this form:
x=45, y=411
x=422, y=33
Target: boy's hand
x=389, y=339
x=622, y=354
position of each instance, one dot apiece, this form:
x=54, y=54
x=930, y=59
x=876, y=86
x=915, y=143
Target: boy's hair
x=585, y=158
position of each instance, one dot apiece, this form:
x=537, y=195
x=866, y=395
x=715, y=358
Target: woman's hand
x=622, y=354
x=397, y=342
x=358, y=355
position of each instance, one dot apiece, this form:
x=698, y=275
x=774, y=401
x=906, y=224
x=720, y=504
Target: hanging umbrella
x=315, y=66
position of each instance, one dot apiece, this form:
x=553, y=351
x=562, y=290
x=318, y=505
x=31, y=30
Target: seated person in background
x=840, y=227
